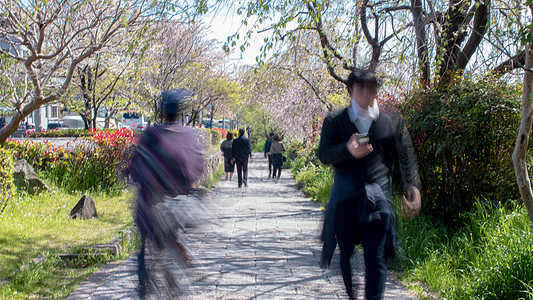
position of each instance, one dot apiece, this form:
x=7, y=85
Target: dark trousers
x=242, y=171
x=373, y=240
x=277, y=169
x=269, y=166
x=141, y=267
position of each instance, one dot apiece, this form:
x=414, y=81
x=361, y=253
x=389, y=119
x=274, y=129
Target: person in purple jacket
x=167, y=162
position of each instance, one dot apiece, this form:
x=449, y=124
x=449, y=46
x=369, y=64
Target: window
x=54, y=112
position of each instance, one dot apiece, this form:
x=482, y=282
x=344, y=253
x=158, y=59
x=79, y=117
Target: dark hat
x=171, y=100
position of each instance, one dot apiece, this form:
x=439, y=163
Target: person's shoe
x=240, y=186
x=269, y=176
x=246, y=184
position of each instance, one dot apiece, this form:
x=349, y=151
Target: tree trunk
x=106, y=120
x=10, y=127
x=421, y=42
x=522, y=141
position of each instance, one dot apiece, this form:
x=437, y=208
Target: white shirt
x=363, y=118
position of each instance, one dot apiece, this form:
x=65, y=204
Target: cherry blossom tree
x=287, y=100
x=47, y=40
x=177, y=49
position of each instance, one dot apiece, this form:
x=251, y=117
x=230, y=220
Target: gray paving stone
x=261, y=242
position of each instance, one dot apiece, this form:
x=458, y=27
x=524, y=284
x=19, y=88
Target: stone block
x=84, y=209
x=24, y=176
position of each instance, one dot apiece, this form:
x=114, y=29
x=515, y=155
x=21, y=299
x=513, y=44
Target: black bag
x=283, y=158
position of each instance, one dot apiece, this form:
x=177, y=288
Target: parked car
x=55, y=125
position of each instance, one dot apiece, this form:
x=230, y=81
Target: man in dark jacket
x=364, y=144
x=242, y=150
x=268, y=143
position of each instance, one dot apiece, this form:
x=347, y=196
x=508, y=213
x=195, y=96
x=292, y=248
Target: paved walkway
x=262, y=244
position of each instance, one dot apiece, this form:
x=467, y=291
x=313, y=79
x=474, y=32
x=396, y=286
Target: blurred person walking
x=166, y=163
x=227, y=152
x=241, y=151
x=364, y=144
x=276, y=156
x=268, y=143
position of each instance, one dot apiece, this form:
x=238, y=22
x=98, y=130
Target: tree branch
x=479, y=28
x=517, y=61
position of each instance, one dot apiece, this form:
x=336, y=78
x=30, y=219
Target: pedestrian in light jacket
x=268, y=143
x=276, y=156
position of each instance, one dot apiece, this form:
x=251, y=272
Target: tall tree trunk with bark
x=522, y=141
x=421, y=42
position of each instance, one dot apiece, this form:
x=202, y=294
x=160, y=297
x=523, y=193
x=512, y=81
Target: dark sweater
x=242, y=149
x=337, y=130
x=390, y=141
x=368, y=176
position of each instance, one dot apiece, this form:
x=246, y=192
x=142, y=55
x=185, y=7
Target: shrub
x=36, y=154
x=259, y=146
x=464, y=136
x=7, y=188
x=312, y=177
x=62, y=133
x=90, y=166
x=220, y=131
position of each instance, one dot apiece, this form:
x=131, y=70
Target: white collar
x=359, y=112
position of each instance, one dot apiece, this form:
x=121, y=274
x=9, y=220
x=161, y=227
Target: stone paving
x=261, y=243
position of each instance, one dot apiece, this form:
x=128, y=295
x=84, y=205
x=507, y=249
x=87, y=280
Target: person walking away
x=363, y=144
x=276, y=155
x=167, y=162
x=227, y=152
x=268, y=143
x=241, y=151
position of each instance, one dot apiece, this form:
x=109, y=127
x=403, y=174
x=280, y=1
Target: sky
x=226, y=23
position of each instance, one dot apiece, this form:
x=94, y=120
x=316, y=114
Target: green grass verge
x=490, y=258
x=40, y=225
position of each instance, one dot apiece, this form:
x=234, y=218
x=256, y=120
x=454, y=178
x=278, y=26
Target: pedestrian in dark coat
x=227, y=150
x=242, y=150
x=363, y=144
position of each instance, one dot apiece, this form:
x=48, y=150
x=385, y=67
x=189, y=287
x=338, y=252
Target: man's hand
x=412, y=203
x=358, y=150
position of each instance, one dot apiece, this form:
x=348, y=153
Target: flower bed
x=90, y=166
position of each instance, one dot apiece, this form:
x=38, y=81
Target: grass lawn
x=39, y=225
